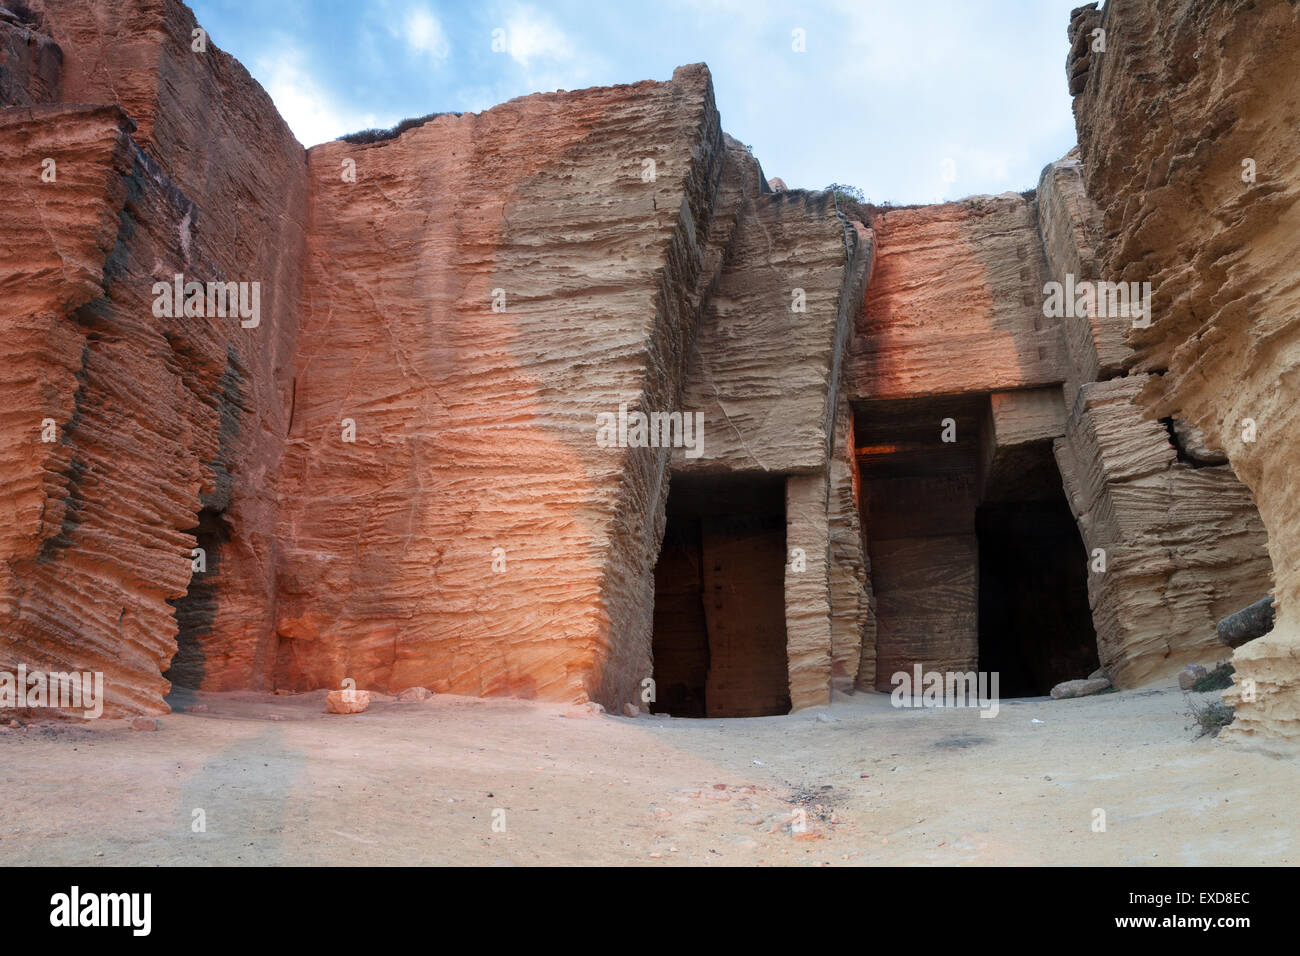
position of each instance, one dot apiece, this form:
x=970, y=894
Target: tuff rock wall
x=393, y=475
x=185, y=169
x=1172, y=538
x=1187, y=127
x=766, y=374
x=393, y=472
x=951, y=315
x=475, y=427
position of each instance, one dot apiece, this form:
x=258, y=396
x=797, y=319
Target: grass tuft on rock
x=1218, y=679
x=367, y=136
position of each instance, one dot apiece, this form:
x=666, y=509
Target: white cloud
x=305, y=105
x=423, y=33
x=531, y=36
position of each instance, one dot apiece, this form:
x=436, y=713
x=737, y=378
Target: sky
x=911, y=101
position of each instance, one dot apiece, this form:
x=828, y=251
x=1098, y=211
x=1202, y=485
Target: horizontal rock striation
x=959, y=279
x=1188, y=137
x=486, y=288
x=1167, y=541
x=154, y=417
x=1171, y=547
x=766, y=375
x=393, y=471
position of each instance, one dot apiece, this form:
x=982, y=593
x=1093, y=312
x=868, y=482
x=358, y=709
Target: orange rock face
x=474, y=537
x=959, y=279
x=392, y=471
x=347, y=701
x=385, y=460
x=131, y=430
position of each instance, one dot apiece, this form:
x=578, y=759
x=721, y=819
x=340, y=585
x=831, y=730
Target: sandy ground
x=418, y=783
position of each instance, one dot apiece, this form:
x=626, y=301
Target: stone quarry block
x=393, y=473
x=347, y=701
x=853, y=623
x=476, y=539
x=167, y=410
x=807, y=606
x=476, y=429
x=1070, y=223
x=927, y=604
x=765, y=366
x=1015, y=439
x=1079, y=688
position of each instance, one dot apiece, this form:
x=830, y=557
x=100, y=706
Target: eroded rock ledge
x=1188, y=134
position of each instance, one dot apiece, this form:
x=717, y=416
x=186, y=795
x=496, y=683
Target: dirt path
x=418, y=783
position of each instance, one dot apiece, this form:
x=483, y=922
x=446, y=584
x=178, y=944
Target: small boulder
x=415, y=694
x=1189, y=675
x=1079, y=688
x=631, y=710
x=1247, y=624
x=145, y=723
x=355, y=701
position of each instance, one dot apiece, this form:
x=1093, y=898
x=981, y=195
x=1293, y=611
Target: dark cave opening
x=196, y=611
x=1035, y=622
x=719, y=641
x=976, y=560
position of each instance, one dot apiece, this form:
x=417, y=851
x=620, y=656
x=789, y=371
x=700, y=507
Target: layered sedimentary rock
x=1172, y=547
x=394, y=472
x=153, y=418
x=485, y=542
x=807, y=591
x=853, y=619
x=765, y=367
x=1189, y=142
x=958, y=279
x=31, y=63
x=1168, y=541
x=1070, y=225
x=765, y=373
x=963, y=491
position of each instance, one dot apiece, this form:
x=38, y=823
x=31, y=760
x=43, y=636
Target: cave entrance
x=1035, y=622
x=719, y=615
x=196, y=611
x=976, y=561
